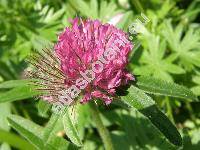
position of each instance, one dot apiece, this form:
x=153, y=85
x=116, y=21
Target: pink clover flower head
x=88, y=62
x=93, y=57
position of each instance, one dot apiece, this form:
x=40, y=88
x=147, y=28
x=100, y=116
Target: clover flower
x=88, y=61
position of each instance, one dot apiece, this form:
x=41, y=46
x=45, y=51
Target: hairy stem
x=103, y=132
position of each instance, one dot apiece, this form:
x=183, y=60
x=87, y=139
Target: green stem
x=103, y=132
x=169, y=110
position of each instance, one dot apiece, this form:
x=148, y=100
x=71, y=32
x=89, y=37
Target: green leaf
x=13, y=84
x=37, y=135
x=135, y=131
x=83, y=119
x=145, y=104
x=94, y=10
x=43, y=108
x=196, y=90
x=103, y=11
x=81, y=6
x=28, y=129
x=184, y=44
x=5, y=111
x=70, y=129
x=18, y=93
x=15, y=140
x=52, y=16
x=160, y=87
x=154, y=61
x=5, y=146
x=50, y=131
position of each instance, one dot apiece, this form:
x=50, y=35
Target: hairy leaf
x=15, y=140
x=70, y=129
x=35, y=134
x=18, y=93
x=160, y=87
x=14, y=83
x=145, y=104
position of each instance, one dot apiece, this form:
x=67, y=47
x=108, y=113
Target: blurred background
x=168, y=48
